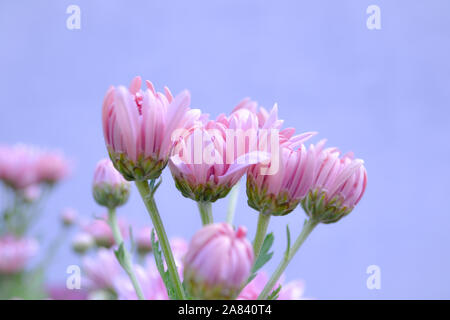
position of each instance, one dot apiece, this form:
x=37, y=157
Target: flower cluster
x=145, y=131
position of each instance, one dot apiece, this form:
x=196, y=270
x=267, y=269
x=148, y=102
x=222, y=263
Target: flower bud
x=68, y=217
x=110, y=189
x=101, y=231
x=218, y=262
x=143, y=241
x=338, y=185
x=82, y=243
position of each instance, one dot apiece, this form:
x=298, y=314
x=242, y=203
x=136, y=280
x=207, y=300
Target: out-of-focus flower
x=102, y=270
x=18, y=165
x=218, y=262
x=179, y=249
x=100, y=230
x=143, y=240
x=61, y=292
x=68, y=216
x=291, y=291
x=82, y=242
x=52, y=167
x=22, y=166
x=150, y=280
x=15, y=253
x=31, y=193
x=338, y=186
x=110, y=189
x=138, y=127
x=280, y=193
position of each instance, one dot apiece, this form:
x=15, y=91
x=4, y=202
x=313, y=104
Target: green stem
x=147, y=197
x=234, y=193
x=205, y=209
x=127, y=264
x=261, y=230
x=307, y=228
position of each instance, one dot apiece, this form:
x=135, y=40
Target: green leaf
x=264, y=255
x=288, y=234
x=160, y=266
x=275, y=293
x=121, y=256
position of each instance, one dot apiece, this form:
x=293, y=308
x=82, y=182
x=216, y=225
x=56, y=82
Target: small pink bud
x=100, y=230
x=143, y=240
x=218, y=262
x=110, y=189
x=68, y=216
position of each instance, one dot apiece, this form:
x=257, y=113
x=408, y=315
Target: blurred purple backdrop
x=382, y=93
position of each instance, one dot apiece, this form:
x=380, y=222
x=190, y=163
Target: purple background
x=381, y=93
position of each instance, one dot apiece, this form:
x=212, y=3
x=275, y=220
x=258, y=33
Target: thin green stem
x=147, y=197
x=307, y=229
x=261, y=230
x=205, y=209
x=127, y=264
x=234, y=194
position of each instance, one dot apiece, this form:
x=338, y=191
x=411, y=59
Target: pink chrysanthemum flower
x=138, y=127
x=15, y=253
x=208, y=161
x=339, y=184
x=218, y=262
x=280, y=193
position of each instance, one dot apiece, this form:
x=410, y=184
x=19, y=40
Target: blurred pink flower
x=69, y=216
x=60, y=292
x=100, y=230
x=18, y=165
x=31, y=193
x=150, y=280
x=52, y=167
x=23, y=166
x=291, y=291
x=138, y=127
x=15, y=253
x=218, y=262
x=143, y=240
x=339, y=184
x=102, y=270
